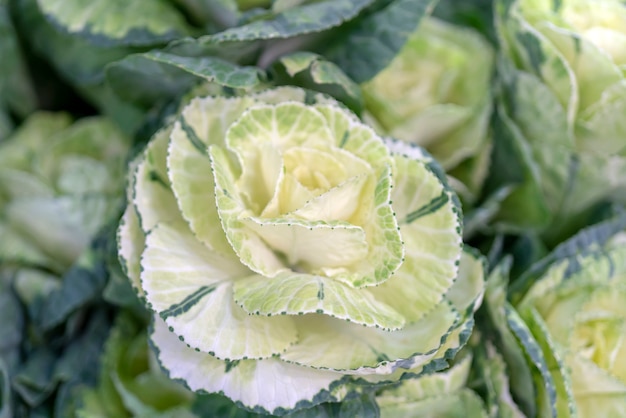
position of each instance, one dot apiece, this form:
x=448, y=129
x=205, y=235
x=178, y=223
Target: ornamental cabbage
x=561, y=328
x=60, y=183
x=576, y=313
x=561, y=124
x=290, y=255
x=436, y=93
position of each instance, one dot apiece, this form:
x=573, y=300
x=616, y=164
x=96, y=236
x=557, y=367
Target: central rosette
x=296, y=192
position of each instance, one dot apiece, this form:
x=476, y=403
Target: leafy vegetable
x=562, y=338
x=278, y=234
x=559, y=115
x=59, y=185
x=436, y=93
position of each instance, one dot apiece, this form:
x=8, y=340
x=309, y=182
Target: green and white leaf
x=117, y=22
x=244, y=381
x=185, y=282
x=159, y=75
x=298, y=294
x=426, y=214
x=16, y=90
x=151, y=184
x=372, y=350
x=308, y=18
x=312, y=71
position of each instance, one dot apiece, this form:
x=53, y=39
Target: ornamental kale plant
x=242, y=208
x=289, y=245
x=561, y=331
x=561, y=112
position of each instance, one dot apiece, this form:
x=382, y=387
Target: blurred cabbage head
x=60, y=183
x=290, y=255
x=577, y=314
x=436, y=93
x=561, y=118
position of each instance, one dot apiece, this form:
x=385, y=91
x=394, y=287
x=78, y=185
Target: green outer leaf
x=74, y=57
x=585, y=242
x=309, y=18
x=11, y=334
x=130, y=244
x=185, y=282
x=82, y=284
x=546, y=399
x=522, y=386
x=565, y=404
x=6, y=407
x=494, y=374
x=221, y=13
x=444, y=382
x=14, y=247
x=116, y=22
x=34, y=381
x=157, y=75
x=313, y=72
x=16, y=91
x=371, y=43
x=150, y=183
x=6, y=124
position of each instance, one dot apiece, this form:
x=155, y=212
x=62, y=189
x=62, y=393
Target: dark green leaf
x=11, y=328
x=364, y=406
x=277, y=33
x=310, y=18
x=34, y=382
x=370, y=43
x=218, y=406
x=16, y=91
x=6, y=407
x=146, y=79
x=82, y=284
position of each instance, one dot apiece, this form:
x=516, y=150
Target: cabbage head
x=60, y=183
x=290, y=255
x=436, y=93
x=576, y=312
x=562, y=128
